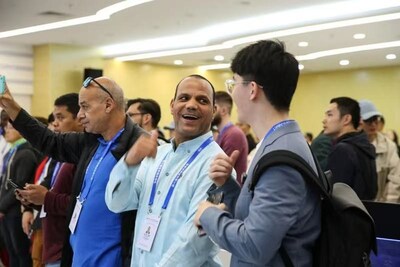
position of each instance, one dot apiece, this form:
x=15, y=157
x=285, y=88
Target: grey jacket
x=283, y=210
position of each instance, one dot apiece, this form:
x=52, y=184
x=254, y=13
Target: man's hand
x=221, y=167
x=202, y=207
x=27, y=221
x=8, y=103
x=145, y=146
x=33, y=193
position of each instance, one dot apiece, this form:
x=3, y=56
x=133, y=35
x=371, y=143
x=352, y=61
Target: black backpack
x=347, y=230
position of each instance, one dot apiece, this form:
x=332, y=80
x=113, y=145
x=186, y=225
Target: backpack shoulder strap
x=285, y=157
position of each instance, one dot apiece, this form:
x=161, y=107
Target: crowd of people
x=100, y=184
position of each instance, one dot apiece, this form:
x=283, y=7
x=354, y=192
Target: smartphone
x=215, y=199
x=2, y=84
x=15, y=185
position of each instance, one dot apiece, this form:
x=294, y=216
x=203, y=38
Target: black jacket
x=78, y=148
x=352, y=161
x=20, y=169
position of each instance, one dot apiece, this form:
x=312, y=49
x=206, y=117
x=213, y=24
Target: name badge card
x=42, y=214
x=148, y=232
x=75, y=216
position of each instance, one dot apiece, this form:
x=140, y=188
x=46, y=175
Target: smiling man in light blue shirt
x=167, y=183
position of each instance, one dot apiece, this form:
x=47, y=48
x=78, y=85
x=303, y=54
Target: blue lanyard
x=178, y=176
x=110, y=143
x=276, y=127
x=55, y=173
x=223, y=130
x=7, y=159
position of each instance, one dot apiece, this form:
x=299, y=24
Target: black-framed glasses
x=136, y=114
x=86, y=83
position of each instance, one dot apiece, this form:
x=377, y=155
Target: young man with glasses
x=147, y=114
x=283, y=210
x=95, y=235
x=387, y=159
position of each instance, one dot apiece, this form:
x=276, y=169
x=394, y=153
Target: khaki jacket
x=388, y=169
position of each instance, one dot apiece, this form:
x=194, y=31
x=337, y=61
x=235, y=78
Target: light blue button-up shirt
x=176, y=242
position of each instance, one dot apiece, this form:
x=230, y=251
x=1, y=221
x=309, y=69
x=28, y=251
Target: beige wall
x=58, y=70
x=314, y=91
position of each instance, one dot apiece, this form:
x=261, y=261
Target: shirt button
x=159, y=192
x=141, y=251
x=167, y=173
x=188, y=151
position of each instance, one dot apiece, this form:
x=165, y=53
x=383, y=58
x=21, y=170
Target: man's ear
x=171, y=105
x=109, y=105
x=347, y=119
x=255, y=91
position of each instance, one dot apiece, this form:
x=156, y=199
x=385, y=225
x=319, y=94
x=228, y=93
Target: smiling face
x=192, y=109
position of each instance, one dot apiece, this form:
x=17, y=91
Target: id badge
x=148, y=232
x=75, y=216
x=42, y=213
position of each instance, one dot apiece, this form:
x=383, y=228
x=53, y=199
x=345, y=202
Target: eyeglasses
x=86, y=83
x=135, y=114
x=230, y=85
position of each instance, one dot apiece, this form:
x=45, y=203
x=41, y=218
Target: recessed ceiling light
x=303, y=44
x=344, y=62
x=219, y=58
x=359, y=36
x=391, y=56
x=301, y=66
x=178, y=62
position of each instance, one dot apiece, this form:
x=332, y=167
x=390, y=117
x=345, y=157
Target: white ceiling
x=164, y=18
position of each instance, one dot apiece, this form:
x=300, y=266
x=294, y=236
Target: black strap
x=285, y=257
x=285, y=157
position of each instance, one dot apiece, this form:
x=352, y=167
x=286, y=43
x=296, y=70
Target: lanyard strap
x=276, y=127
x=55, y=174
x=7, y=158
x=177, y=177
x=110, y=143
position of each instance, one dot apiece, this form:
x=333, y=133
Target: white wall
x=16, y=63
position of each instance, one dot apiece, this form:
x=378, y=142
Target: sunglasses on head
x=86, y=83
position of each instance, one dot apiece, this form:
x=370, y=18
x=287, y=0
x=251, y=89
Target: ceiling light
x=215, y=66
x=303, y=44
x=301, y=66
x=359, y=36
x=254, y=38
x=344, y=62
x=307, y=15
x=391, y=56
x=102, y=14
x=347, y=50
x=219, y=58
x=178, y=62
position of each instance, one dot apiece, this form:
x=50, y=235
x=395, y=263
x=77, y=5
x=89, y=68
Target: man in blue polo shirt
x=95, y=235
